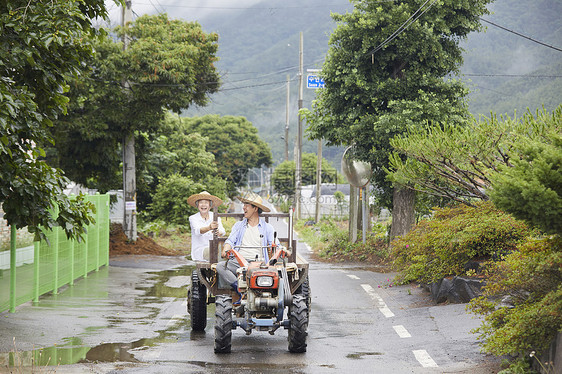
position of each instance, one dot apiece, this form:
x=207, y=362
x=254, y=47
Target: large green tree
x=390, y=67
x=236, y=144
x=43, y=45
x=168, y=65
x=177, y=158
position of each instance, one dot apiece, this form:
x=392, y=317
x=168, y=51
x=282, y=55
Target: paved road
x=131, y=317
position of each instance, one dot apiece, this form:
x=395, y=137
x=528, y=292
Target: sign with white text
x=314, y=81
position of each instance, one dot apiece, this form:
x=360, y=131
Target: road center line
x=380, y=302
x=424, y=358
x=352, y=276
x=401, y=331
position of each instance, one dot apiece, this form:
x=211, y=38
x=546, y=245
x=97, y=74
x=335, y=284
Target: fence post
x=71, y=242
x=98, y=214
x=86, y=254
x=56, y=259
x=12, y=269
x=107, y=228
x=36, y=269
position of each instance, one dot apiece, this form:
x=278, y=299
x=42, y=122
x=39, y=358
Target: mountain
x=507, y=72
x=259, y=48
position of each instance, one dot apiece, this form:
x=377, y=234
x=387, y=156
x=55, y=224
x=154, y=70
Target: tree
x=468, y=163
x=387, y=71
x=42, y=46
x=177, y=158
x=531, y=189
x=168, y=65
x=235, y=143
x=283, y=178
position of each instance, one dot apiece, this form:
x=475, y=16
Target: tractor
x=275, y=293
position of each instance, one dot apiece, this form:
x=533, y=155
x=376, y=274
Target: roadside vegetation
x=329, y=240
x=507, y=174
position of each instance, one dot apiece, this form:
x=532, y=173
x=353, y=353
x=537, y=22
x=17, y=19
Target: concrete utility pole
x=318, y=181
x=129, y=179
x=298, y=156
x=287, y=118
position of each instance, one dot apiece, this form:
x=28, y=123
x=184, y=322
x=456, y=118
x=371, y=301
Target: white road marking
x=353, y=276
x=380, y=302
x=308, y=247
x=401, y=331
x=424, y=359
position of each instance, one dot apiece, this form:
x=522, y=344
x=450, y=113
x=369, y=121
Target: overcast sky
x=188, y=10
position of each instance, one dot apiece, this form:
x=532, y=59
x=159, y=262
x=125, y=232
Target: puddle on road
x=166, y=284
x=66, y=355
x=359, y=355
x=169, y=283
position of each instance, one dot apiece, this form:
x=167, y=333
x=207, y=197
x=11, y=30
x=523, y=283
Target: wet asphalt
x=131, y=317
x=100, y=318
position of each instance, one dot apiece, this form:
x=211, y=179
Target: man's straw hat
x=254, y=199
x=203, y=196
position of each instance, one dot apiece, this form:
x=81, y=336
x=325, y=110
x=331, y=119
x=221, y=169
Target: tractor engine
x=261, y=284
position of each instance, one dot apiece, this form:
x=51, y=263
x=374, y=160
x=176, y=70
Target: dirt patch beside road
x=120, y=245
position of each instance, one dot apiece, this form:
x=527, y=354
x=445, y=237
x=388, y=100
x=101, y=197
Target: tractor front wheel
x=223, y=324
x=197, y=303
x=298, y=319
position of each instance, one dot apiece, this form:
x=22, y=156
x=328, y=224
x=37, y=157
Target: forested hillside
x=507, y=72
x=259, y=48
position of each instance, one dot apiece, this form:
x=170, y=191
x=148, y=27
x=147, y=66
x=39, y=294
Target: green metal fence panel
x=48, y=265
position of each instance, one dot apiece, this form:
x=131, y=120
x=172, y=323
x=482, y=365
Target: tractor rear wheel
x=304, y=289
x=298, y=319
x=197, y=303
x=223, y=324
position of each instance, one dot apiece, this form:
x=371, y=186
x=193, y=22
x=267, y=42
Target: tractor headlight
x=264, y=281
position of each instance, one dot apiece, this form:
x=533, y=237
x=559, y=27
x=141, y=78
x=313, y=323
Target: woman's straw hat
x=203, y=196
x=254, y=199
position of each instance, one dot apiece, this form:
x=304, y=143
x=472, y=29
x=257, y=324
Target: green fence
x=27, y=273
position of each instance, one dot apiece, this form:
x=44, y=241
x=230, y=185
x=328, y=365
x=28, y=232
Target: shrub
x=442, y=245
x=522, y=301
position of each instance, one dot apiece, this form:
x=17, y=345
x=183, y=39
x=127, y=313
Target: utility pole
x=298, y=156
x=318, y=181
x=129, y=180
x=287, y=119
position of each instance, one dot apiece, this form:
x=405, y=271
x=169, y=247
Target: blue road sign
x=314, y=81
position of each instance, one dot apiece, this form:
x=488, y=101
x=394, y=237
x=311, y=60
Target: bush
x=532, y=188
x=330, y=240
x=522, y=301
x=442, y=246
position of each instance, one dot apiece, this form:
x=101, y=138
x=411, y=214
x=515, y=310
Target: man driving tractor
x=250, y=237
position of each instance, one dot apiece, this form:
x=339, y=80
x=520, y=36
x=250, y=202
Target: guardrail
x=45, y=267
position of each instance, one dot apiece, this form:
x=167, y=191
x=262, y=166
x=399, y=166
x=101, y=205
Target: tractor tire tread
x=298, y=319
x=197, y=303
x=223, y=324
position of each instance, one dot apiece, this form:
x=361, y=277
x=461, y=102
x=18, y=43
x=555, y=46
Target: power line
x=513, y=75
x=404, y=26
x=521, y=35
x=251, y=7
